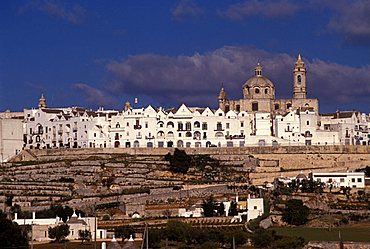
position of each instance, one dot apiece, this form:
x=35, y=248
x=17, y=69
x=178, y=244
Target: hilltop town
x=238, y=171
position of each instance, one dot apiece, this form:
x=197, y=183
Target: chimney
x=33, y=215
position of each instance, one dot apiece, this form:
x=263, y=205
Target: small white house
x=339, y=179
x=40, y=226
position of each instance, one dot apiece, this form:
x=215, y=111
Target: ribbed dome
x=258, y=80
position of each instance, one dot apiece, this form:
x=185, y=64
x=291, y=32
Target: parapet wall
x=51, y=154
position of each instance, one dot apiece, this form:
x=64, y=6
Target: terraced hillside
x=37, y=178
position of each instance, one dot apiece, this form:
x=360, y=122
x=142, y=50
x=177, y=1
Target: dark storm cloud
x=267, y=9
x=351, y=19
x=92, y=95
x=73, y=14
x=196, y=79
x=186, y=8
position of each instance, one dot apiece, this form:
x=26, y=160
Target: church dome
x=258, y=87
x=258, y=79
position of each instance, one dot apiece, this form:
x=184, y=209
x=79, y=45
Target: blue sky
x=101, y=53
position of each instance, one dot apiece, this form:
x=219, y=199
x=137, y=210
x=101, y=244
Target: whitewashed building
x=76, y=223
x=340, y=179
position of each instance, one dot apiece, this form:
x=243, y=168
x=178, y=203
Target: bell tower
x=222, y=98
x=42, y=102
x=299, y=75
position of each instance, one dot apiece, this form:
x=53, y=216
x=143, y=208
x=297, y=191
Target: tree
x=57, y=210
x=59, y=233
x=233, y=209
x=295, y=213
x=84, y=235
x=124, y=232
x=180, y=162
x=271, y=240
x=209, y=207
x=221, y=209
x=11, y=234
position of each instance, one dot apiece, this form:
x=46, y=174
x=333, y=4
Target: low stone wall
x=79, y=153
x=336, y=245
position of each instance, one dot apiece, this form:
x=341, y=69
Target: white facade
x=348, y=179
x=40, y=226
x=11, y=135
x=254, y=208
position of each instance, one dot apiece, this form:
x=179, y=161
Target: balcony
x=74, y=129
x=231, y=137
x=149, y=137
x=139, y=136
x=60, y=131
x=137, y=127
x=288, y=130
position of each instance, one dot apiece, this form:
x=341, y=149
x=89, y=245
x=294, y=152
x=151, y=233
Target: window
x=227, y=125
x=299, y=79
x=117, y=125
x=180, y=126
x=353, y=180
x=196, y=124
x=127, y=124
x=237, y=108
x=219, y=126
x=188, y=126
x=308, y=122
x=227, y=109
x=359, y=180
x=341, y=179
x=289, y=105
x=277, y=107
x=255, y=106
x=318, y=179
x=255, y=207
x=257, y=90
x=146, y=124
x=266, y=90
x=204, y=126
x=242, y=124
x=94, y=134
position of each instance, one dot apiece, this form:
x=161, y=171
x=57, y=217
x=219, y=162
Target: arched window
x=288, y=105
x=257, y=90
x=170, y=125
x=266, y=90
x=118, y=125
x=277, y=106
x=299, y=79
x=188, y=134
x=170, y=134
x=160, y=134
x=196, y=124
x=160, y=124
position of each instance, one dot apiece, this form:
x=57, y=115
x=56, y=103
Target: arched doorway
x=149, y=145
x=116, y=144
x=169, y=144
x=208, y=144
x=136, y=144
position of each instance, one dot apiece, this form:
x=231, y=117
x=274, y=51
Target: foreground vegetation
x=324, y=234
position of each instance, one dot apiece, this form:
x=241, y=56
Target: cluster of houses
x=258, y=119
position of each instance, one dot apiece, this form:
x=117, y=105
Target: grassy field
x=323, y=234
